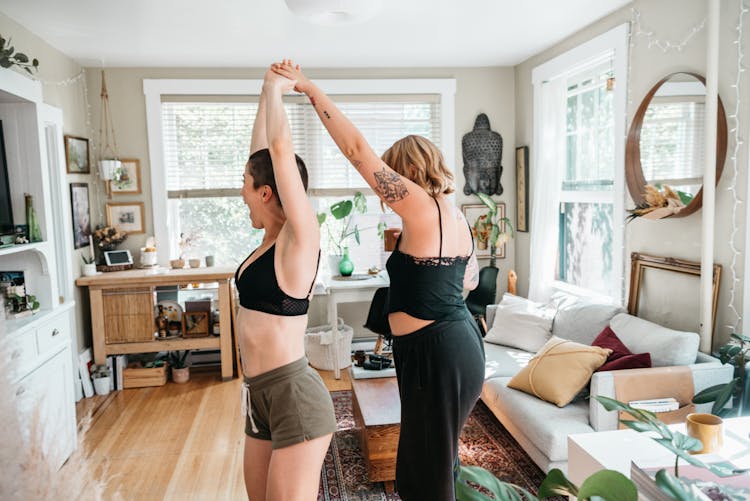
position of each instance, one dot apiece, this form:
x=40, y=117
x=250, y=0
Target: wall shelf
x=13, y=249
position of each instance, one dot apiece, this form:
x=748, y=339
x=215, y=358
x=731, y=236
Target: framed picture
x=126, y=216
x=522, y=188
x=77, y=155
x=80, y=213
x=130, y=181
x=472, y=212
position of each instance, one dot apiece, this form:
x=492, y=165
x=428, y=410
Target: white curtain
x=546, y=181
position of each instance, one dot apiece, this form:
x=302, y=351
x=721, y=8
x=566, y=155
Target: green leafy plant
x=9, y=59
x=343, y=211
x=100, y=371
x=735, y=353
x=87, y=259
x=492, y=227
x=477, y=484
x=178, y=359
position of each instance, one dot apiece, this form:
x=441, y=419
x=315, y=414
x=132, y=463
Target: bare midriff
x=403, y=324
x=269, y=341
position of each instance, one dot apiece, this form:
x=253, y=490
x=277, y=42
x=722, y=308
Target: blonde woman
x=289, y=412
x=437, y=346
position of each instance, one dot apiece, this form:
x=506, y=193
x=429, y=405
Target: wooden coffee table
x=377, y=417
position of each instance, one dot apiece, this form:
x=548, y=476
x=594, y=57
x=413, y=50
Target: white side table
x=349, y=291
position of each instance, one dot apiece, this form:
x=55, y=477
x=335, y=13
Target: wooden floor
x=168, y=442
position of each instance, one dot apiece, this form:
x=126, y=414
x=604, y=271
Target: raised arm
x=297, y=209
x=403, y=196
x=259, y=139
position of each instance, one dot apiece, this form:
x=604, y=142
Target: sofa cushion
x=543, y=424
x=621, y=357
x=503, y=360
x=520, y=323
x=666, y=346
x=559, y=370
x=583, y=320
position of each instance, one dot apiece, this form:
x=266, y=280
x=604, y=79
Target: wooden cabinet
x=122, y=312
x=128, y=315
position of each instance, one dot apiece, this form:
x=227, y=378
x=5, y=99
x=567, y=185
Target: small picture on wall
x=130, y=179
x=126, y=216
x=77, y=155
x=81, y=214
x=473, y=213
x=522, y=188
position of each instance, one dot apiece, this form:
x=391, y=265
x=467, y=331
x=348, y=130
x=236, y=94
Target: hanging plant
x=8, y=59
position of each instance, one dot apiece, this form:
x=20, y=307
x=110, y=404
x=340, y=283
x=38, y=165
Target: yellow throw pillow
x=559, y=370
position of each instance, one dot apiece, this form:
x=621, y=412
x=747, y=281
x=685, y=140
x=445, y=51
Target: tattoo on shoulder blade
x=390, y=186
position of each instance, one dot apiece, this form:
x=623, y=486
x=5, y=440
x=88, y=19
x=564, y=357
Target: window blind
x=206, y=141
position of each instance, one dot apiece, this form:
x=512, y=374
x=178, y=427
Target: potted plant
x=737, y=353
x=340, y=228
x=180, y=370
x=101, y=376
x=488, y=230
x=89, y=266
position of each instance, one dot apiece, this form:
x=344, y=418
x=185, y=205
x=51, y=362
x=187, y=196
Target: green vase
x=346, y=267
x=35, y=233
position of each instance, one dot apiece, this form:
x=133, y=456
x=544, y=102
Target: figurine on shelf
x=162, y=323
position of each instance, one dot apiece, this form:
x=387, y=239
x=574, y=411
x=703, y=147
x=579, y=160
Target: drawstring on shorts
x=247, y=406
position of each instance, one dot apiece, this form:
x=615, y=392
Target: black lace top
x=260, y=291
x=429, y=288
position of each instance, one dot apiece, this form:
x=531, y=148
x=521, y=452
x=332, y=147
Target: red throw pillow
x=621, y=357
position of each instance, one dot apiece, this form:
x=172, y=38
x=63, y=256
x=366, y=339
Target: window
x=204, y=139
x=578, y=209
x=587, y=189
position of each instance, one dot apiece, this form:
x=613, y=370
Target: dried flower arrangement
x=660, y=204
x=107, y=237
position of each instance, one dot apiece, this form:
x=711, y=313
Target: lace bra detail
x=437, y=261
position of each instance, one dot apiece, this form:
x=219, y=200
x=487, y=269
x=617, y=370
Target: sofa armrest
x=705, y=374
x=489, y=315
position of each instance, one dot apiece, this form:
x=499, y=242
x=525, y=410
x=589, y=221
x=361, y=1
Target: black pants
x=440, y=370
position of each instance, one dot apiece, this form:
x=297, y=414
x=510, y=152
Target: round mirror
x=666, y=141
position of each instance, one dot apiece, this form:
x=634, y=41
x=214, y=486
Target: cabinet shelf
x=14, y=249
x=31, y=322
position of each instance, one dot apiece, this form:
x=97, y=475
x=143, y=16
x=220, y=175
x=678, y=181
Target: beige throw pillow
x=559, y=370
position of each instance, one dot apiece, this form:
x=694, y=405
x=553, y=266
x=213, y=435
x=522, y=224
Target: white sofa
x=541, y=428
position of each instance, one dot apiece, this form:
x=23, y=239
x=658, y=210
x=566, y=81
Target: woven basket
x=319, y=346
x=114, y=267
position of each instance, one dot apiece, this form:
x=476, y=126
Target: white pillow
x=520, y=323
x=667, y=346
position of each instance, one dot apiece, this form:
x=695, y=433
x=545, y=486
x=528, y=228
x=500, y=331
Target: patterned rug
x=484, y=442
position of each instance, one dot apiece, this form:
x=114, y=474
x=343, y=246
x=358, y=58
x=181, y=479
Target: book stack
x=705, y=484
x=656, y=404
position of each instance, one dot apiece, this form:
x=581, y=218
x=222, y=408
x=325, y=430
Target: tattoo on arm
x=326, y=114
x=312, y=100
x=356, y=163
x=390, y=186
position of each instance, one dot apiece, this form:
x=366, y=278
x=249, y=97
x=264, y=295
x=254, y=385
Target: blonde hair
x=420, y=161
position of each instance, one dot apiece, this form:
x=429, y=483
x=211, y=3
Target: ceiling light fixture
x=334, y=12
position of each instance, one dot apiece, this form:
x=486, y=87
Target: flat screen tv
x=6, y=207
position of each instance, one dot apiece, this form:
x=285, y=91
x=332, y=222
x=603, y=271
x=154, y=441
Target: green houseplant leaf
x=672, y=486
x=342, y=209
x=556, y=484
x=610, y=485
x=477, y=484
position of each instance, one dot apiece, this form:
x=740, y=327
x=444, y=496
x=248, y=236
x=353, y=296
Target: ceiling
x=253, y=33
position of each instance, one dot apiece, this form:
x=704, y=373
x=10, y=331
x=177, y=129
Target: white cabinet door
x=44, y=401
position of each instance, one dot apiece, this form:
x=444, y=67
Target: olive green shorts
x=287, y=405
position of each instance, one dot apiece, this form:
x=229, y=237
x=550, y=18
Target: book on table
x=708, y=484
x=656, y=404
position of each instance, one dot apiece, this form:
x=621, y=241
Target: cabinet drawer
x=53, y=333
x=128, y=315
x=22, y=351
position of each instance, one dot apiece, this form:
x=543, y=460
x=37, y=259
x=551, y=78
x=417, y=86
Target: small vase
x=181, y=375
x=89, y=269
x=101, y=385
x=346, y=267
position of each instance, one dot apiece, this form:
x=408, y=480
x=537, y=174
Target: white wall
x=681, y=238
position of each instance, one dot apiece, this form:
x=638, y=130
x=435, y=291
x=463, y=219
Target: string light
x=734, y=117
x=665, y=46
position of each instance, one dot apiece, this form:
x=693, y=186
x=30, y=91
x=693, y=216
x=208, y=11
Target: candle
x=91, y=247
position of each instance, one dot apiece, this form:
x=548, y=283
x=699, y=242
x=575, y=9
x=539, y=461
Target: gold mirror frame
x=633, y=168
x=641, y=262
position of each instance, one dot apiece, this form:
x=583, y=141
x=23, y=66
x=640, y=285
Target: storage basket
x=319, y=346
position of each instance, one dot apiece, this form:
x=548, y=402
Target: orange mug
x=707, y=428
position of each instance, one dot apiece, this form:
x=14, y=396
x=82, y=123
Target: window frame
x=613, y=43
x=154, y=89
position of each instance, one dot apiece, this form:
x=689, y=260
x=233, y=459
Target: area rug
x=484, y=442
